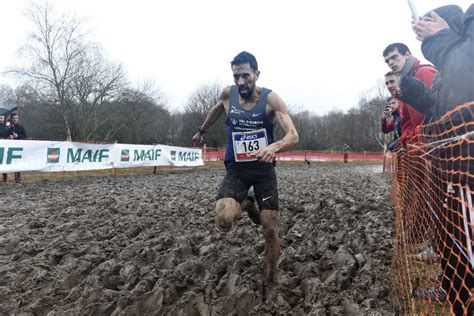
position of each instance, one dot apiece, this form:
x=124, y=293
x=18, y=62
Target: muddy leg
x=227, y=211
x=272, y=244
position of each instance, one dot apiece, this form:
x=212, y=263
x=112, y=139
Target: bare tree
x=67, y=71
x=306, y=124
x=203, y=98
x=7, y=95
x=138, y=115
x=195, y=111
x=372, y=103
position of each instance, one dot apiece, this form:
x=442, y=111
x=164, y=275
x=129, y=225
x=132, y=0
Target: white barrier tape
x=441, y=143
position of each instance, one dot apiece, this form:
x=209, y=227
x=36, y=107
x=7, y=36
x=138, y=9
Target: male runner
x=250, y=155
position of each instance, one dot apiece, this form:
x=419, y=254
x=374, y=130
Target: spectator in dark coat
x=4, y=131
x=15, y=131
x=448, y=42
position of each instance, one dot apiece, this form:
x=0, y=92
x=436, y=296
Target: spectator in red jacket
x=406, y=121
x=403, y=64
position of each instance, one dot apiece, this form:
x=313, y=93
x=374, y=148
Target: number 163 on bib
x=246, y=144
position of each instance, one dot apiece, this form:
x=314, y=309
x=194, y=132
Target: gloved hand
x=414, y=92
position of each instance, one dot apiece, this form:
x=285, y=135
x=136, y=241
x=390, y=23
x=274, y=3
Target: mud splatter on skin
x=148, y=244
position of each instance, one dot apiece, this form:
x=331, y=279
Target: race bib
x=246, y=144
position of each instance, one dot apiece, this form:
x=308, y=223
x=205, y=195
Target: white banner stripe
x=46, y=156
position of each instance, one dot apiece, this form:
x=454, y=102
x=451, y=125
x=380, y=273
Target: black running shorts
x=239, y=178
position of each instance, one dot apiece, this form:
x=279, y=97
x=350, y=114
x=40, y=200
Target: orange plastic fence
x=215, y=155
x=432, y=192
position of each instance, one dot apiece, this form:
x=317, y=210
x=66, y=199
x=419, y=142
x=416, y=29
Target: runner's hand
x=266, y=155
x=197, y=139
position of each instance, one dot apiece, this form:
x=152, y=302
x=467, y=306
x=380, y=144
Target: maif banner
x=47, y=156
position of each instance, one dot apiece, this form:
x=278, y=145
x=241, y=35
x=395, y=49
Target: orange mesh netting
x=432, y=192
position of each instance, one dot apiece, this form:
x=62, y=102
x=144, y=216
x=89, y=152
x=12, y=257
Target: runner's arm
x=291, y=137
x=214, y=113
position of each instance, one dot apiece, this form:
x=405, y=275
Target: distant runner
x=250, y=155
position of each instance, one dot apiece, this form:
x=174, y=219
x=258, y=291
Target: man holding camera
x=391, y=110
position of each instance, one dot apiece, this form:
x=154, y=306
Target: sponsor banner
x=156, y=155
x=28, y=155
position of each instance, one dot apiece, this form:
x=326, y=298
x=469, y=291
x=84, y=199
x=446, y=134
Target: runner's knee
x=226, y=211
x=223, y=220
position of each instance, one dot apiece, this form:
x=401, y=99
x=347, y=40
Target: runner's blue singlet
x=241, y=120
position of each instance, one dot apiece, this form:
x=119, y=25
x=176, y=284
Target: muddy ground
x=147, y=245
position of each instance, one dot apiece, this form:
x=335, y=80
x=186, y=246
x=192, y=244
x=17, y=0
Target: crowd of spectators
x=425, y=94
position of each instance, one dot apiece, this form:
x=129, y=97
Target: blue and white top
x=247, y=130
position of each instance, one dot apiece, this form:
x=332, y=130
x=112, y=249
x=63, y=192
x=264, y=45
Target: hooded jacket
x=452, y=52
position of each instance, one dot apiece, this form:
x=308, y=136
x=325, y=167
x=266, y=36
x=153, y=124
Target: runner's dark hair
x=245, y=57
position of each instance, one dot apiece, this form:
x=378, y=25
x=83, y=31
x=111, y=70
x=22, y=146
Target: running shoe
x=436, y=278
x=433, y=295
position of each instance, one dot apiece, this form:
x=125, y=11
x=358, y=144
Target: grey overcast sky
x=317, y=55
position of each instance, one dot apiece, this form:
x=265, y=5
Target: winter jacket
x=393, y=126
x=19, y=130
x=4, y=131
x=426, y=74
x=452, y=52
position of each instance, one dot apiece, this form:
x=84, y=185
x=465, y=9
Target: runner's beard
x=245, y=92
